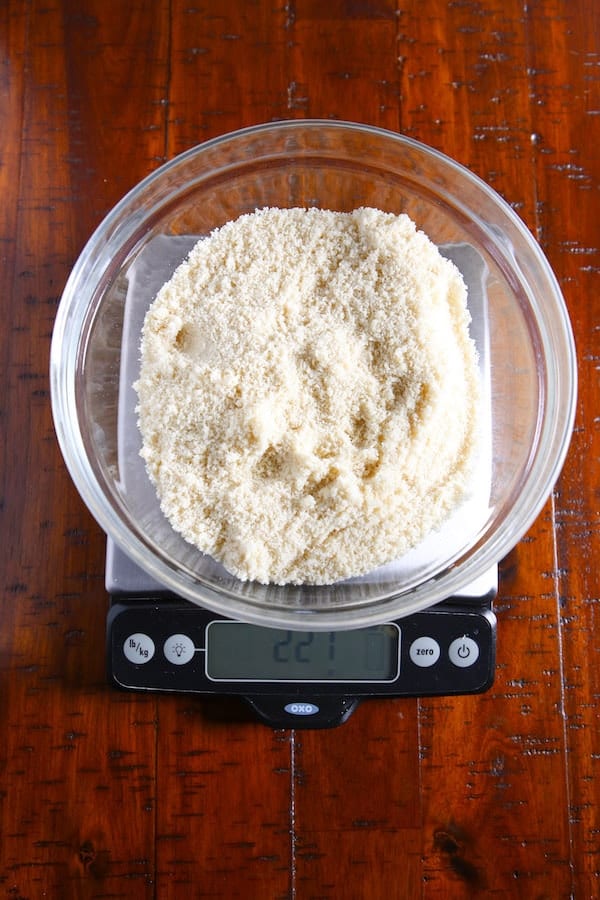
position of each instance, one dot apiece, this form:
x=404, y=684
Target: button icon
x=138, y=648
x=463, y=652
x=179, y=649
x=424, y=651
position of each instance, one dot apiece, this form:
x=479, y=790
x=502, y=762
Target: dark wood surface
x=113, y=795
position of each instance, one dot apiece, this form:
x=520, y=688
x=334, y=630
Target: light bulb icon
x=179, y=649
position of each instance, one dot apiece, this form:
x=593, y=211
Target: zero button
x=424, y=651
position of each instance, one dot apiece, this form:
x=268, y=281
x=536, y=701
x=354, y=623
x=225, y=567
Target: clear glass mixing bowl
x=531, y=366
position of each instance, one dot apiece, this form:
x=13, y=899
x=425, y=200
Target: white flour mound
x=308, y=393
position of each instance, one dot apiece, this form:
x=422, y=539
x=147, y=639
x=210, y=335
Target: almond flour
x=308, y=393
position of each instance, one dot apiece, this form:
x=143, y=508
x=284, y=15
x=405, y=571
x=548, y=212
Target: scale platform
x=312, y=679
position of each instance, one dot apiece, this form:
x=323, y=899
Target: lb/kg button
x=463, y=652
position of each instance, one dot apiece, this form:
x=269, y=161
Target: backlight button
x=179, y=649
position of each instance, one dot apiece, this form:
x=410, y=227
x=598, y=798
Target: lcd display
x=239, y=652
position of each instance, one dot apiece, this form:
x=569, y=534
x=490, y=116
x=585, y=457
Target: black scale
x=157, y=641
x=294, y=679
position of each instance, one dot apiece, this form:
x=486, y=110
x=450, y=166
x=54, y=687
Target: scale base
x=158, y=643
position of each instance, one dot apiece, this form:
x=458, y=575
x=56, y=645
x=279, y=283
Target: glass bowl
x=524, y=338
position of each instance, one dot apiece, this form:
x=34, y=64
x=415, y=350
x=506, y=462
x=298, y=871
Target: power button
x=463, y=652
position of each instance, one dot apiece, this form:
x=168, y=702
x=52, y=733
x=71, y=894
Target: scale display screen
x=237, y=651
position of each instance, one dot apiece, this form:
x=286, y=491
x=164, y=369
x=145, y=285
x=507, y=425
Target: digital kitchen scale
x=160, y=642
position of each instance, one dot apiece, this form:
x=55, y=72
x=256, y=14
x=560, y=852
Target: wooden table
x=107, y=794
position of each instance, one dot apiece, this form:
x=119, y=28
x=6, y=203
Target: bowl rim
x=96, y=256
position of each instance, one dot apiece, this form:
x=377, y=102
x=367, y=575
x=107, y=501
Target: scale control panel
x=299, y=679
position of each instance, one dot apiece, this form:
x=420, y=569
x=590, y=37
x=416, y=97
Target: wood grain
x=484, y=113
x=108, y=794
x=567, y=126
x=64, y=762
